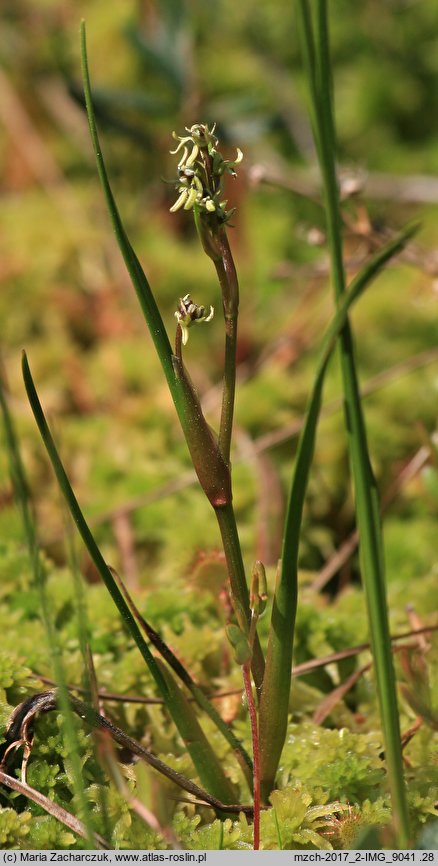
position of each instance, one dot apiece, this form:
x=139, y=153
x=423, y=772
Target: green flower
x=200, y=171
x=189, y=313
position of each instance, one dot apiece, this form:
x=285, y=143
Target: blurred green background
x=157, y=66
x=65, y=297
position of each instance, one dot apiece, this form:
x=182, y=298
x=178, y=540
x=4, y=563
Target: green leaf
x=276, y=685
x=170, y=696
x=313, y=22
x=206, y=762
x=135, y=270
x=39, y=575
x=84, y=530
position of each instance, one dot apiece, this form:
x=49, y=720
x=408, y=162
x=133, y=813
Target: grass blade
x=21, y=491
x=135, y=270
x=367, y=506
x=84, y=530
x=96, y=556
x=276, y=685
x=205, y=760
x=185, y=677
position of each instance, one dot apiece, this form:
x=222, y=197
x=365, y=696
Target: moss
x=14, y=828
x=345, y=765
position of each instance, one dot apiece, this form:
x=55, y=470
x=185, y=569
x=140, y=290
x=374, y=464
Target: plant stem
x=227, y=276
x=215, y=243
x=239, y=589
x=246, y=671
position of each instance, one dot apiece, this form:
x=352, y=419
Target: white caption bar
x=217, y=858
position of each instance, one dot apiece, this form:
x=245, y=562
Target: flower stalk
x=243, y=647
x=238, y=587
x=226, y=271
x=200, y=174
x=201, y=169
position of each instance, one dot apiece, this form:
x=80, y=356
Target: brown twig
x=125, y=541
x=314, y=664
x=44, y=702
x=51, y=808
x=347, y=548
x=407, y=735
x=270, y=499
x=412, y=189
x=298, y=671
x=338, y=694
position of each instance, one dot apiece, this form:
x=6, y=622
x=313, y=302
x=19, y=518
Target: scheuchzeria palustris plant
x=199, y=185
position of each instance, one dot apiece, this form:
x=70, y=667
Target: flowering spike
x=189, y=314
x=200, y=171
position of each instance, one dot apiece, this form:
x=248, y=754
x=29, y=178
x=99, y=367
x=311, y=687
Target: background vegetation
x=158, y=66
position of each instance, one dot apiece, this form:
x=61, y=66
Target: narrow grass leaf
x=276, y=685
x=21, y=490
x=135, y=270
x=103, y=569
x=84, y=530
x=310, y=65
x=367, y=499
x=207, y=763
x=185, y=677
x=367, y=505
x=89, y=681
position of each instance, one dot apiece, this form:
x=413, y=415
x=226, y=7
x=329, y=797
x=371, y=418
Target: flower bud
x=213, y=473
x=239, y=643
x=258, y=588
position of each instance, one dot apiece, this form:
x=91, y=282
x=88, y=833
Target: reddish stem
x=246, y=669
